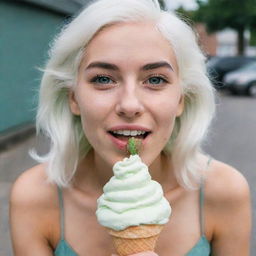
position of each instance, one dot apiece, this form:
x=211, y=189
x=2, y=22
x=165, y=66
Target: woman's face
x=127, y=86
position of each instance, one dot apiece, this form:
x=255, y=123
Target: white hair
x=54, y=118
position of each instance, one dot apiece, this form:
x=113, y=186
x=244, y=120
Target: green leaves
x=220, y=14
x=162, y=4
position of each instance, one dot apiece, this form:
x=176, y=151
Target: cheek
x=167, y=115
x=168, y=124
x=94, y=110
x=168, y=109
x=91, y=116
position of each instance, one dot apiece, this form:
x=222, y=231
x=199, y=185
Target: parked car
x=218, y=67
x=242, y=80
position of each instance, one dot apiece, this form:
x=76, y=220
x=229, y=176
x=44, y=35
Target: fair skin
x=124, y=81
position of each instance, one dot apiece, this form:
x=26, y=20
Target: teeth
x=134, y=133
x=129, y=133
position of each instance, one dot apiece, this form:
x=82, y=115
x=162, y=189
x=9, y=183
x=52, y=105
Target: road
x=232, y=139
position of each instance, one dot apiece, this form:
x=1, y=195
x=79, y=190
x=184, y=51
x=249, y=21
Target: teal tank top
x=201, y=248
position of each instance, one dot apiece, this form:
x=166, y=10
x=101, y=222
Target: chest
x=86, y=236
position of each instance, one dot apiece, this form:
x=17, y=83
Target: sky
x=187, y=4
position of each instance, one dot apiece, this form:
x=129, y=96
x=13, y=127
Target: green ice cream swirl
x=131, y=198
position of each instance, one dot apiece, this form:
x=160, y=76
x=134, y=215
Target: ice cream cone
x=135, y=239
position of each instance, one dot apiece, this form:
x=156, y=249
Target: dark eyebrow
x=105, y=65
x=155, y=65
x=109, y=66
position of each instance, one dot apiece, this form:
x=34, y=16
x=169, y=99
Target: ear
x=74, y=107
x=180, y=106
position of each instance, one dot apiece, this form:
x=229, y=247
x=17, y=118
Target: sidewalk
x=16, y=134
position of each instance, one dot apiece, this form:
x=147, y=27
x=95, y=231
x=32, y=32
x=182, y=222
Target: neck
x=92, y=175
x=162, y=171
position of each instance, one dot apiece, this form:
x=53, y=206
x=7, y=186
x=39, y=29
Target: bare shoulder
x=228, y=210
x=225, y=184
x=33, y=213
x=32, y=188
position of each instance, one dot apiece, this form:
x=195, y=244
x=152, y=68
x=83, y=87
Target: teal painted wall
x=25, y=34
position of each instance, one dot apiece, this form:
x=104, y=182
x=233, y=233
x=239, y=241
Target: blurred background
x=226, y=32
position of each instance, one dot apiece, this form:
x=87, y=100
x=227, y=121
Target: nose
x=129, y=104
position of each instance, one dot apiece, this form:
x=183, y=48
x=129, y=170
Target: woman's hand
x=148, y=253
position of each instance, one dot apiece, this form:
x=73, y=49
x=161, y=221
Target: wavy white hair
x=54, y=118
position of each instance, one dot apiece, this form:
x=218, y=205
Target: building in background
x=222, y=43
x=227, y=42
x=26, y=30
x=208, y=42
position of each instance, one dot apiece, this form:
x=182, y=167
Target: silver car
x=242, y=81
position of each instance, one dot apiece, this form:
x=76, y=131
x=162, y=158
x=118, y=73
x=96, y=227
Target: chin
x=146, y=157
x=111, y=160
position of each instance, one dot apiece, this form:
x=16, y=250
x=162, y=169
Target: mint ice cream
x=131, y=197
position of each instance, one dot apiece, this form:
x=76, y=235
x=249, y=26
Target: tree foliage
x=162, y=4
x=220, y=14
x=187, y=15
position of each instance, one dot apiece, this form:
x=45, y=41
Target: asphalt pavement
x=232, y=139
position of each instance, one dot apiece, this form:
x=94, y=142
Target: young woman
x=121, y=69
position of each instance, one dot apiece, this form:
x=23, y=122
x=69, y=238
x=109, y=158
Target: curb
x=16, y=135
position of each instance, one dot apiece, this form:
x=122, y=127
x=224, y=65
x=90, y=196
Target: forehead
x=130, y=42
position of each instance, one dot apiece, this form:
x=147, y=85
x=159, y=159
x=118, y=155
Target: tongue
x=126, y=138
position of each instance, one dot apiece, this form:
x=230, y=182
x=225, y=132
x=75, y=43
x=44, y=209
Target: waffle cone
x=135, y=239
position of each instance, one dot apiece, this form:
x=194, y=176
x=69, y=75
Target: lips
x=126, y=134
x=120, y=139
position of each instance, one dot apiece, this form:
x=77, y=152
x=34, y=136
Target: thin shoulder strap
x=201, y=199
x=201, y=212
x=62, y=217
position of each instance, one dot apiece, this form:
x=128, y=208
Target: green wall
x=25, y=34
